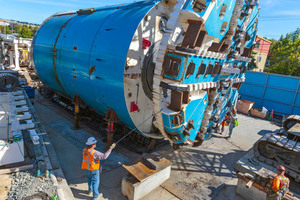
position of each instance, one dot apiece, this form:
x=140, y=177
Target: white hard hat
x=91, y=141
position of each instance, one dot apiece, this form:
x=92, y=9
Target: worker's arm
x=101, y=156
x=276, y=184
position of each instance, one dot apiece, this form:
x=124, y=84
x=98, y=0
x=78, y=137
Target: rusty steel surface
x=141, y=172
x=192, y=34
x=200, y=38
x=176, y=100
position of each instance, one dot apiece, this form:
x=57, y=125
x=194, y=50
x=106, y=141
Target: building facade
x=260, y=53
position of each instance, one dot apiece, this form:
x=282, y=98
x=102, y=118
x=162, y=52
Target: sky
x=277, y=17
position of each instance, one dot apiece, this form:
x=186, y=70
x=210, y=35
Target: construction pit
x=205, y=172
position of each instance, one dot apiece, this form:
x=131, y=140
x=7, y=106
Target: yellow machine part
x=25, y=54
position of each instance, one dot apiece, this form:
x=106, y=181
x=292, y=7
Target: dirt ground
x=5, y=185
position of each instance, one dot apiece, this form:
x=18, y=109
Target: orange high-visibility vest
x=283, y=183
x=88, y=161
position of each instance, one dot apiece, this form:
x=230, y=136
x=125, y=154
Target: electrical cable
x=137, y=127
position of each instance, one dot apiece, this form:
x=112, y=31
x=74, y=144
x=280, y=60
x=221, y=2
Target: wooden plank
x=28, y=149
x=244, y=178
x=139, y=171
x=142, y=172
x=15, y=169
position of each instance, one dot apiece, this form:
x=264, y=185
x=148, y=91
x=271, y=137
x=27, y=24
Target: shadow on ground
x=193, y=160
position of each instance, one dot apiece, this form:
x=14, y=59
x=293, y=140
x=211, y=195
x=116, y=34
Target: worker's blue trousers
x=93, y=182
x=231, y=128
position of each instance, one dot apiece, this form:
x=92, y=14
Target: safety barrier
x=276, y=92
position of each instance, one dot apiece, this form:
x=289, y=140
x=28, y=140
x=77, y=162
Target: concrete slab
x=66, y=152
x=160, y=193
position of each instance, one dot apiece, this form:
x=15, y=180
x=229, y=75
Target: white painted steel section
x=171, y=25
x=133, y=85
x=209, y=9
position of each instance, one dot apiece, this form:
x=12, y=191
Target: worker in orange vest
x=279, y=185
x=91, y=163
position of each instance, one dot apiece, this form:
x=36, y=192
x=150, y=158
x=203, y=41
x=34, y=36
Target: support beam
x=16, y=48
x=77, y=101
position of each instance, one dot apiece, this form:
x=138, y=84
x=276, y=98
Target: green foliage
x=5, y=29
x=17, y=28
x=34, y=29
x=25, y=32
x=252, y=64
x=285, y=55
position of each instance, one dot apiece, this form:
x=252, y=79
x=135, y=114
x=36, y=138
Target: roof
x=264, y=39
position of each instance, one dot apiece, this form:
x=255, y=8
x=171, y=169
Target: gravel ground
x=26, y=185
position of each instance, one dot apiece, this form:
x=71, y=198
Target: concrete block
x=135, y=190
x=252, y=193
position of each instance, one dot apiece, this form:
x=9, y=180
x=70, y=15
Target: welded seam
x=54, y=53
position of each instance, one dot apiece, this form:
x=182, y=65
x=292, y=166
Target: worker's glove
x=112, y=146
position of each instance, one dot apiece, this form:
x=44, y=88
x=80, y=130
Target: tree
x=252, y=64
x=17, y=28
x=25, y=32
x=34, y=29
x=285, y=55
x=5, y=30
